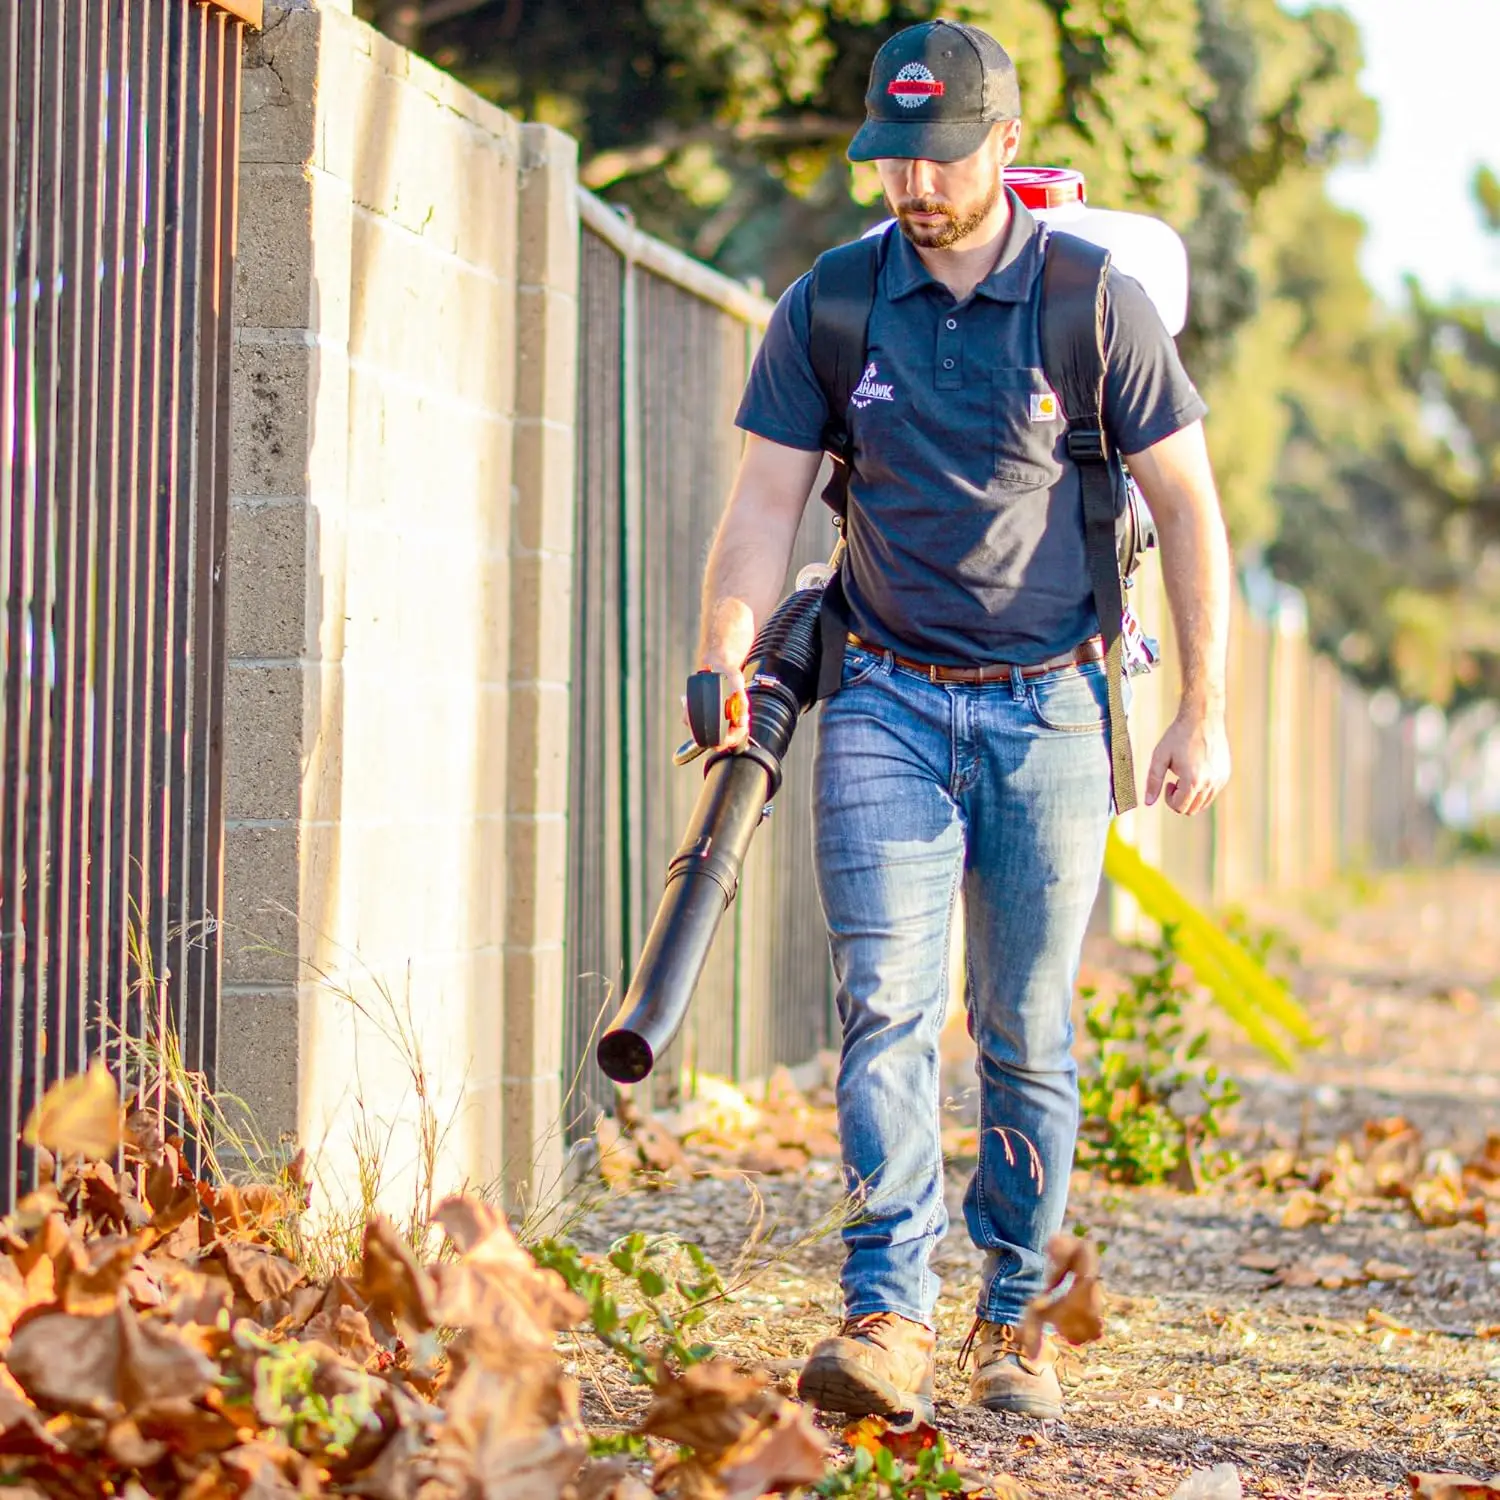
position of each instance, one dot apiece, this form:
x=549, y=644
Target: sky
x=1431, y=66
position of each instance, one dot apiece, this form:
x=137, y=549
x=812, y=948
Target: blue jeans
x=924, y=791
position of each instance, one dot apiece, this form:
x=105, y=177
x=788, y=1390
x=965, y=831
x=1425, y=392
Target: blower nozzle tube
x=704, y=875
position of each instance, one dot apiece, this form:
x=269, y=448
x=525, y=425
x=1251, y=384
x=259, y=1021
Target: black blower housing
x=704, y=875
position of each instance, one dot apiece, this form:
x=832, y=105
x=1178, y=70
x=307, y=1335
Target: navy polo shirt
x=965, y=526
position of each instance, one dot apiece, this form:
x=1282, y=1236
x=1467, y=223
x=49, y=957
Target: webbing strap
x=1073, y=355
x=843, y=292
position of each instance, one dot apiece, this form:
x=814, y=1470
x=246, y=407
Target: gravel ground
x=1326, y=1389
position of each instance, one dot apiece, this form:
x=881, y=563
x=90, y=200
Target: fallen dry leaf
x=78, y=1117
x=1304, y=1208
x=875, y=1433
x=1387, y=1270
x=785, y=1450
x=390, y=1279
x=609, y=1479
x=1260, y=1260
x=259, y=1275
x=1077, y=1311
x=1453, y=1487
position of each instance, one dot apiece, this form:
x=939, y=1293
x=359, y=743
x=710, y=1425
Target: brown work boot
x=879, y=1364
x=1004, y=1378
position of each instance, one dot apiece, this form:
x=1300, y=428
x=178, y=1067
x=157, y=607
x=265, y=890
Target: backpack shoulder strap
x=843, y=292
x=1074, y=300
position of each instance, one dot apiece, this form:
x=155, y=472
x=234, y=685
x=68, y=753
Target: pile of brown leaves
x=162, y=1343
x=1386, y=1163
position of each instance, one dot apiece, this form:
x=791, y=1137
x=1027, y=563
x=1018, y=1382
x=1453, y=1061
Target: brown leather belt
x=990, y=671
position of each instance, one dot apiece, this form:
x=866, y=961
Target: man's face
x=940, y=203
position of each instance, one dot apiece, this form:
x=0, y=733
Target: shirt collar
x=1010, y=281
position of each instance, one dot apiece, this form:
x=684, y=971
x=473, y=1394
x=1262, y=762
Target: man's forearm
x=1196, y=572
x=752, y=548
x=741, y=585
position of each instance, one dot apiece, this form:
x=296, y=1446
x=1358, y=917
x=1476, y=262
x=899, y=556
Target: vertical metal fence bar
x=46, y=296
x=182, y=934
x=105, y=940
x=174, y=529
x=222, y=72
x=17, y=86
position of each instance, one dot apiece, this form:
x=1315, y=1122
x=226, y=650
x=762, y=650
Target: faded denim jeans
x=925, y=792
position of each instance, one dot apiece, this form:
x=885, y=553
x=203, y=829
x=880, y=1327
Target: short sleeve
x=783, y=400
x=1147, y=393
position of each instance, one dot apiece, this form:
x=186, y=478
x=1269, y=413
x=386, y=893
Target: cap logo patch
x=914, y=85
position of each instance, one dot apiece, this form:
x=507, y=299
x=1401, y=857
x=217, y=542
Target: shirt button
x=947, y=364
x=953, y=322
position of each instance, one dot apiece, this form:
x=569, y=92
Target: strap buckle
x=1086, y=445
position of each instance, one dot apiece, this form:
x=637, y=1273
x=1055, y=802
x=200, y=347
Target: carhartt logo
x=870, y=388
x=1043, y=406
x=914, y=85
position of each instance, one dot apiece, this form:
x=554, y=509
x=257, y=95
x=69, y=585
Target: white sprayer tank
x=1147, y=249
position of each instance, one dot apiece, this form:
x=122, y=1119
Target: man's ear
x=1010, y=141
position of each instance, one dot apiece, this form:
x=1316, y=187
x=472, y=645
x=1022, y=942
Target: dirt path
x=1335, y=1388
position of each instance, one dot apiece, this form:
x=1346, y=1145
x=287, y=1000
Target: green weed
x=673, y=1282
x=1150, y=1103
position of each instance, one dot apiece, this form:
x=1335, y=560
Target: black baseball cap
x=935, y=90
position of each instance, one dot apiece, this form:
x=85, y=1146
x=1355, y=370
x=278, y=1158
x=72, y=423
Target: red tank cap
x=1046, y=187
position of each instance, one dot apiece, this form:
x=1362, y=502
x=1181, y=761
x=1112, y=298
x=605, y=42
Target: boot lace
x=1004, y=1336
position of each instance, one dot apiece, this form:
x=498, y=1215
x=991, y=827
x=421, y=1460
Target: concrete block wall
x=399, y=626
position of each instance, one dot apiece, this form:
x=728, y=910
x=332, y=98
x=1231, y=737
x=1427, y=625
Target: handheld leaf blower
x=704, y=875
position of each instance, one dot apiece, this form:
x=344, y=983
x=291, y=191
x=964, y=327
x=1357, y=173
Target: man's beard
x=953, y=227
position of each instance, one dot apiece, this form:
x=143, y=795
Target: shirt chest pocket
x=1028, y=425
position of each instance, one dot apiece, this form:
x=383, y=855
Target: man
x=934, y=781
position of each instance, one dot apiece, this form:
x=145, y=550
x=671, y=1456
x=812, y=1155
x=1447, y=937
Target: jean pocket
x=859, y=666
x=1074, y=700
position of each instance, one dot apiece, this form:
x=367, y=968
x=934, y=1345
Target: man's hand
x=1195, y=752
x=734, y=727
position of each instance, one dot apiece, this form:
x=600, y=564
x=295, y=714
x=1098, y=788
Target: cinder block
x=323, y=741
x=259, y=1061
x=539, y=725
x=263, y=741
x=486, y=211
x=536, y=902
x=269, y=418
x=541, y=618
x=436, y=323
x=483, y=1136
x=548, y=252
x=486, y=1018
x=533, y=1142
x=261, y=885
x=278, y=85
x=546, y=354
x=273, y=264
x=534, y=1009
x=543, y=479
x=265, y=580
x=493, y=751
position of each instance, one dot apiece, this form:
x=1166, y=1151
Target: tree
x=1390, y=513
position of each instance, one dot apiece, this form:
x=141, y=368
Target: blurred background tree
x=1358, y=449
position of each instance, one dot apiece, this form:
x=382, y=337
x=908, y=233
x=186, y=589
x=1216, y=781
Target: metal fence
x=121, y=129
x=664, y=349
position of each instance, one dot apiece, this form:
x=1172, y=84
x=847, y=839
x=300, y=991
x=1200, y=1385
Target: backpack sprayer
x=782, y=682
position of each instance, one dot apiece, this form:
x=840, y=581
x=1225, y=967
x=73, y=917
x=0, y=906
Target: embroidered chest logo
x=1044, y=407
x=871, y=388
x=914, y=85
